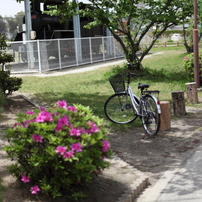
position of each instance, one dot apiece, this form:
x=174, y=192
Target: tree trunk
x=192, y=95
x=178, y=103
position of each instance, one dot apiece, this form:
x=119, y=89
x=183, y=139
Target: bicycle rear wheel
x=119, y=109
x=150, y=116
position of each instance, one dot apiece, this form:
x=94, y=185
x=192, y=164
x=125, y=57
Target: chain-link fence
x=45, y=55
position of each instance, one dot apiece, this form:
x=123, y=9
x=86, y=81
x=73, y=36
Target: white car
x=176, y=37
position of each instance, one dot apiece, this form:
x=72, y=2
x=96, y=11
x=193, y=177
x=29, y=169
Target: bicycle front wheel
x=119, y=109
x=150, y=116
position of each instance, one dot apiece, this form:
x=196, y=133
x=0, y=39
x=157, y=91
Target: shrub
x=170, y=40
x=188, y=63
x=58, y=148
x=7, y=84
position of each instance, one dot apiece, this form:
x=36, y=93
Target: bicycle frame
x=135, y=104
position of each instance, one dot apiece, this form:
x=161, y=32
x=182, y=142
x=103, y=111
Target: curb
x=27, y=99
x=137, y=185
x=134, y=190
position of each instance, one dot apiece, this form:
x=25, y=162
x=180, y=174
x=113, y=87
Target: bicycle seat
x=142, y=86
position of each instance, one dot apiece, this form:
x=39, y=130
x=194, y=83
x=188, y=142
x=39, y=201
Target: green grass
x=167, y=48
x=2, y=188
x=163, y=72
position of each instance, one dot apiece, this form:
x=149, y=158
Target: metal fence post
x=59, y=54
x=103, y=48
x=114, y=48
x=90, y=46
x=39, y=55
x=76, y=51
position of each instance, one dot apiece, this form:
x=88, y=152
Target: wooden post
x=178, y=103
x=165, y=123
x=192, y=95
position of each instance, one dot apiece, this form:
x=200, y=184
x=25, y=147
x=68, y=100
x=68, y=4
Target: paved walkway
x=74, y=70
x=181, y=185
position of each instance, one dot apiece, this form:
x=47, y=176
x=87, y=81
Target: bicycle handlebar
x=130, y=65
x=133, y=75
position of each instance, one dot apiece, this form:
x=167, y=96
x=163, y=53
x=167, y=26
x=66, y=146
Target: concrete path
x=181, y=185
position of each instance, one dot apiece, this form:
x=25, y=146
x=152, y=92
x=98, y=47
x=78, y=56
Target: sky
x=10, y=7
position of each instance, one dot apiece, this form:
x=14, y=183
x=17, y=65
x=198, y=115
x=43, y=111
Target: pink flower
x=71, y=108
x=60, y=149
x=77, y=147
x=88, y=132
x=61, y=122
x=64, y=120
x=58, y=127
x=94, y=128
x=68, y=154
x=35, y=189
x=61, y=104
x=105, y=145
x=42, y=108
x=25, y=179
x=44, y=116
x=17, y=124
x=37, y=138
x=26, y=123
x=30, y=112
x=185, y=58
x=98, y=171
x=75, y=132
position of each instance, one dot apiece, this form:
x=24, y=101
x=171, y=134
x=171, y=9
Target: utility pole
x=195, y=41
x=77, y=35
x=28, y=22
x=28, y=29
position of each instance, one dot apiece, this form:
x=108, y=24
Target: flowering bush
x=188, y=63
x=57, y=148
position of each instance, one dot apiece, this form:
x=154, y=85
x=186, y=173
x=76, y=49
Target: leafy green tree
x=188, y=30
x=129, y=21
x=14, y=24
x=19, y=20
x=3, y=27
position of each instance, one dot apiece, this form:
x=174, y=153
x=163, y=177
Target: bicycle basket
x=117, y=83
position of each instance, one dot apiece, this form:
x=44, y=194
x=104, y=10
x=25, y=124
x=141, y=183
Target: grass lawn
x=163, y=72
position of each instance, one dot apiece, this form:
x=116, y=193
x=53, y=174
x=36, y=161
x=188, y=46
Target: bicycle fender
x=157, y=103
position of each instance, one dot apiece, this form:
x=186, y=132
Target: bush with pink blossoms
x=57, y=148
x=188, y=63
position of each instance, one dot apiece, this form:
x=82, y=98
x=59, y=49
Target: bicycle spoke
x=119, y=109
x=150, y=118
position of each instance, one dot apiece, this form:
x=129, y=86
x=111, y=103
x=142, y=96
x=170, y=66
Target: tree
x=19, y=20
x=3, y=27
x=14, y=24
x=188, y=30
x=130, y=20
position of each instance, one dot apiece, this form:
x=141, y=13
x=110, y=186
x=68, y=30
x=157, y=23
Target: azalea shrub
x=188, y=63
x=57, y=148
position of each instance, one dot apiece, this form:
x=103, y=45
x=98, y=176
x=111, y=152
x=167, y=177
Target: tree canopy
x=188, y=30
x=130, y=20
x=2, y=24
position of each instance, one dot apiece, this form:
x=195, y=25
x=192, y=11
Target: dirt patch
x=151, y=156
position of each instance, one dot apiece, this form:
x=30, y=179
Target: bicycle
x=124, y=106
